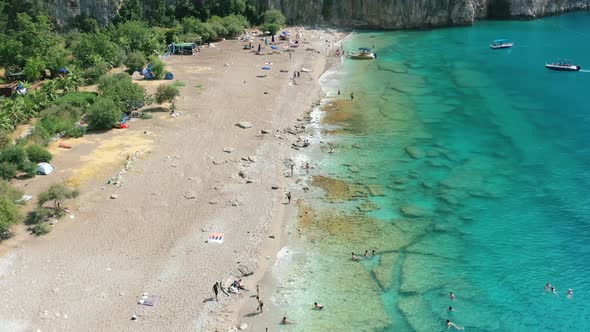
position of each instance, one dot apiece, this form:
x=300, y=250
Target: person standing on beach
x=289, y=56
x=257, y=290
x=260, y=306
x=292, y=168
x=216, y=290
x=352, y=96
x=306, y=168
x=289, y=197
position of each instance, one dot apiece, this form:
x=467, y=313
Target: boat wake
x=584, y=71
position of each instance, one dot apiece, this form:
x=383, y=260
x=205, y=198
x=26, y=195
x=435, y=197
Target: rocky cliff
x=380, y=14
x=396, y=14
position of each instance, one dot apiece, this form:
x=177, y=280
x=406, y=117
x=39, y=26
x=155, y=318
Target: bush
x=14, y=154
x=104, y=114
x=7, y=170
x=41, y=228
x=91, y=75
x=158, y=68
x=166, y=93
x=121, y=89
x=38, y=154
x=39, y=215
x=135, y=61
x=78, y=99
x=9, y=213
x=57, y=193
x=29, y=169
x=6, y=190
x=273, y=28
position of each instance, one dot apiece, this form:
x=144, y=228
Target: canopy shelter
x=182, y=48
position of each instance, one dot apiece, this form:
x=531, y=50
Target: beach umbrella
x=266, y=68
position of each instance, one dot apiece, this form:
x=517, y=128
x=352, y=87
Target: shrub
x=135, y=61
x=7, y=170
x=14, y=154
x=92, y=74
x=38, y=154
x=6, y=190
x=273, y=28
x=166, y=93
x=41, y=228
x=29, y=169
x=158, y=68
x=57, y=193
x=9, y=213
x=39, y=215
x=104, y=114
x=78, y=99
x=121, y=89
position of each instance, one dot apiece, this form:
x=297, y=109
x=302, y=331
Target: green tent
x=182, y=48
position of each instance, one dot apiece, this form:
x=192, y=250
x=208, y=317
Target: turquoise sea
x=466, y=169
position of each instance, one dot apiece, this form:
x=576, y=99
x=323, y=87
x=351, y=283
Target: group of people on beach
x=234, y=288
x=551, y=289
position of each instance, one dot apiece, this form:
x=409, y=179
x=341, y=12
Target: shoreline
x=284, y=220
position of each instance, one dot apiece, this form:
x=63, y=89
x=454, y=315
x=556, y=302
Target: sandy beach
x=195, y=174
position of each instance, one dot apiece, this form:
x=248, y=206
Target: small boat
x=363, y=54
x=500, y=43
x=562, y=65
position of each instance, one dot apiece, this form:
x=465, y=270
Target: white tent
x=44, y=168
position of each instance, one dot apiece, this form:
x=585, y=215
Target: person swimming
x=451, y=309
x=553, y=290
x=548, y=287
x=453, y=325
x=452, y=296
x=354, y=257
x=570, y=294
x=285, y=321
x=318, y=306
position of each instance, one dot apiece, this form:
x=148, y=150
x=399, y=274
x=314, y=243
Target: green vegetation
x=9, y=211
x=121, y=89
x=166, y=93
x=135, y=61
x=273, y=20
x=104, y=114
x=39, y=218
x=57, y=194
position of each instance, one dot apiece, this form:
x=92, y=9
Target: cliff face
x=395, y=14
x=380, y=14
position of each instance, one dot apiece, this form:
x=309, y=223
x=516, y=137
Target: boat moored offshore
x=562, y=65
x=501, y=43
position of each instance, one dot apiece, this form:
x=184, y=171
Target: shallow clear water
x=492, y=204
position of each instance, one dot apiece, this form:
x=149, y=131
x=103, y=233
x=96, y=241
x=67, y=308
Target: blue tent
x=169, y=76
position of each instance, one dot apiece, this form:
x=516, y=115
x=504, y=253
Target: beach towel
x=150, y=301
x=216, y=237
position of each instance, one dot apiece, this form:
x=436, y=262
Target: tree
x=121, y=89
x=274, y=16
x=7, y=170
x=104, y=114
x=34, y=68
x=92, y=49
x=136, y=36
x=57, y=194
x=135, y=61
x=166, y=93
